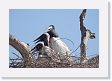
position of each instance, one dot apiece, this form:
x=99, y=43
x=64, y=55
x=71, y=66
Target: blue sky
x=28, y=24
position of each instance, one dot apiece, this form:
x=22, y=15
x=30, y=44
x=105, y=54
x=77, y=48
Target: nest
x=49, y=62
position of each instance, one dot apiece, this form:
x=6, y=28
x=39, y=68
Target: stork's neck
x=52, y=33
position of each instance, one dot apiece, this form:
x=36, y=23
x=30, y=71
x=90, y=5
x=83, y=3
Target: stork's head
x=51, y=27
x=91, y=35
x=39, y=46
x=51, y=31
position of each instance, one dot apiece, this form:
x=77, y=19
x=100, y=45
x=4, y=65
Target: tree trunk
x=83, y=35
x=22, y=47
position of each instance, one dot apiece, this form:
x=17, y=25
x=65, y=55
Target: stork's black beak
x=92, y=36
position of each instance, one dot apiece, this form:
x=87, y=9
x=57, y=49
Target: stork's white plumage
x=45, y=51
x=58, y=45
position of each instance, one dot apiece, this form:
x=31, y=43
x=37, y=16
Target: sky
x=28, y=24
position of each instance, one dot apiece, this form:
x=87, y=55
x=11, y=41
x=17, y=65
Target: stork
x=42, y=44
x=43, y=48
x=55, y=43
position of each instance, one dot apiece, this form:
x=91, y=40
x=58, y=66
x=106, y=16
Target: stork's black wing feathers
x=37, y=39
x=41, y=38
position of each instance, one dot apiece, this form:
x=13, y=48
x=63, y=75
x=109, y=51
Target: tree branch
x=22, y=47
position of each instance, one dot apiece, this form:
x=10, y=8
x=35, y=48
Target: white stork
x=51, y=39
x=58, y=45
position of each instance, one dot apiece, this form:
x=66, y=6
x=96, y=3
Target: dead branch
x=83, y=34
x=22, y=47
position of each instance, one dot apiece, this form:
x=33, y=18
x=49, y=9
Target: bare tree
x=22, y=47
x=86, y=34
x=83, y=34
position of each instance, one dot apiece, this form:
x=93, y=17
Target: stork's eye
x=50, y=28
